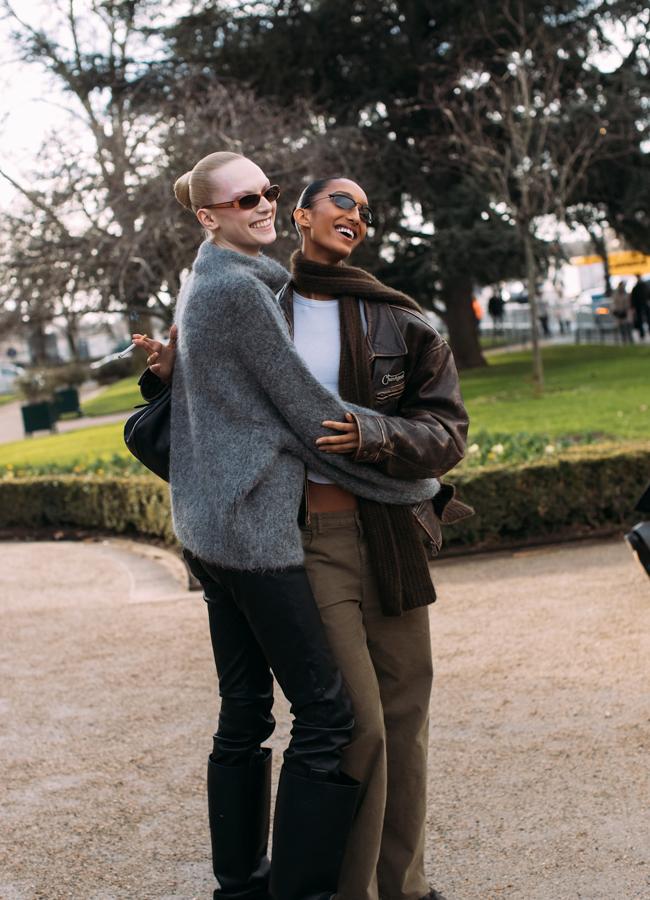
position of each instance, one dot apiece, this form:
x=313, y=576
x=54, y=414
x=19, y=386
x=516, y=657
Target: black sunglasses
x=248, y=201
x=344, y=201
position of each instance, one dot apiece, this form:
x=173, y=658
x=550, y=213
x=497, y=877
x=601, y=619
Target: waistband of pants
x=323, y=522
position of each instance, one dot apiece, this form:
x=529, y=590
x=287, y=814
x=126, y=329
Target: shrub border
x=576, y=495
x=589, y=491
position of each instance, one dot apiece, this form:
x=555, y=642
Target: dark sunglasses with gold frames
x=248, y=201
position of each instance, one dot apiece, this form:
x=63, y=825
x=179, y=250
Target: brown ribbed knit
x=396, y=550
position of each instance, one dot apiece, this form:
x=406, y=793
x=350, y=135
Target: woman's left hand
x=162, y=357
x=346, y=442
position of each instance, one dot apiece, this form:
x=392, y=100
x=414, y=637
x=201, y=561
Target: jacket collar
x=384, y=335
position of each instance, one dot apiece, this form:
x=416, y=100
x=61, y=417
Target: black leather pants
x=264, y=624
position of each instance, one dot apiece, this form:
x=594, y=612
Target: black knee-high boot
x=310, y=831
x=239, y=805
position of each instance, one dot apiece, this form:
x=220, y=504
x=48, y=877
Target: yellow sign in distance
x=623, y=262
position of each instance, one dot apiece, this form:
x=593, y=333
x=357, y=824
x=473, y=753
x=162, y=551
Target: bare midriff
x=329, y=498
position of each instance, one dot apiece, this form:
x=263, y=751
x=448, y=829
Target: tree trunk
x=138, y=322
x=600, y=246
x=38, y=343
x=531, y=276
x=71, y=335
x=461, y=322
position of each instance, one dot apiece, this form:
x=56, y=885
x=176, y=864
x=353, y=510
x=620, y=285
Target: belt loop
x=359, y=523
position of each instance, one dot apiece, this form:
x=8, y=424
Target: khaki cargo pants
x=386, y=665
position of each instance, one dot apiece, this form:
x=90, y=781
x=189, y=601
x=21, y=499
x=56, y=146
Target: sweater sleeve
x=259, y=335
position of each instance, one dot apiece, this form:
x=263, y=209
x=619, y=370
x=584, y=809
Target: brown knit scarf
x=398, y=557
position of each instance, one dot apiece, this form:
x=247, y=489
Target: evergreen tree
x=376, y=70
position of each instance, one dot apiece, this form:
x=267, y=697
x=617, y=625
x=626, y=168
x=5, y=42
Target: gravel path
x=539, y=740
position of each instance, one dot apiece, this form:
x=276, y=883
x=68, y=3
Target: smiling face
x=243, y=230
x=330, y=234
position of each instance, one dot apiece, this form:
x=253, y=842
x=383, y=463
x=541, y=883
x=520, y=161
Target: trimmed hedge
x=578, y=493
x=122, y=505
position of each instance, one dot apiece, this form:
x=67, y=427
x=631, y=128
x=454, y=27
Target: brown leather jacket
x=423, y=427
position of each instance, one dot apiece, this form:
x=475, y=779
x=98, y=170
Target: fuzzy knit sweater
x=246, y=412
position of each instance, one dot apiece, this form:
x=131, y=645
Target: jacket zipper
x=307, y=508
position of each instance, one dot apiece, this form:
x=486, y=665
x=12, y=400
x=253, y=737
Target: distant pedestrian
x=495, y=310
x=622, y=310
x=640, y=308
x=563, y=311
x=542, y=315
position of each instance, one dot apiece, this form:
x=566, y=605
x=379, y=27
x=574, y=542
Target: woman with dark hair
x=246, y=420
x=365, y=560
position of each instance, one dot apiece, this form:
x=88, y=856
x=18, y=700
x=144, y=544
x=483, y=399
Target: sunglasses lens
x=249, y=201
x=343, y=202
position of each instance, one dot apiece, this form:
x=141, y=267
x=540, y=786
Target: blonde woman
x=247, y=417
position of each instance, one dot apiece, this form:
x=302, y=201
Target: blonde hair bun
x=182, y=190
x=196, y=188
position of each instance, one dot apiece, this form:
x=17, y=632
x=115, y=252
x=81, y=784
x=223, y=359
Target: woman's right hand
x=161, y=357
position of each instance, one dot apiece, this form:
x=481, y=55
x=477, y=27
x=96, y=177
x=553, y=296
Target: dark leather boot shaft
x=239, y=805
x=310, y=832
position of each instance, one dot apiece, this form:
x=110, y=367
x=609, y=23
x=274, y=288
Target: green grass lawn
x=588, y=389
x=121, y=396
x=6, y=398
x=84, y=445
x=489, y=342
x=603, y=391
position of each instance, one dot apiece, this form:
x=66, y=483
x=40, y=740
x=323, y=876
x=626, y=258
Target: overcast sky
x=26, y=115
x=30, y=100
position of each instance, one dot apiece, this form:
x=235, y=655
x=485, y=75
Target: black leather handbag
x=147, y=431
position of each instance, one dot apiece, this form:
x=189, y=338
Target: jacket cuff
x=372, y=438
x=448, y=507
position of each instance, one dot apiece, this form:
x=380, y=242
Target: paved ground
x=539, y=740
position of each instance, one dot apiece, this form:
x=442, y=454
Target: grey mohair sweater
x=245, y=414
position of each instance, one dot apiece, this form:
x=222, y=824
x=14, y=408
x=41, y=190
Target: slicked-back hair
x=308, y=194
